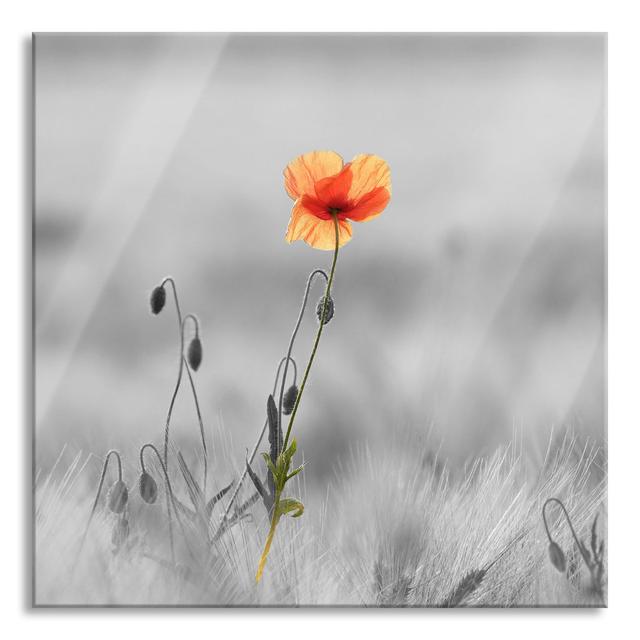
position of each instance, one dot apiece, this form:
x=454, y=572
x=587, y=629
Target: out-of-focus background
x=474, y=305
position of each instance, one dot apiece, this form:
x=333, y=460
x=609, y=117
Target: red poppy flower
x=323, y=186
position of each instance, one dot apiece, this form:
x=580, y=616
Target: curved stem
x=194, y=319
x=142, y=466
x=180, y=368
x=169, y=491
x=317, y=340
x=112, y=452
x=303, y=306
x=257, y=444
x=568, y=519
x=295, y=370
x=203, y=439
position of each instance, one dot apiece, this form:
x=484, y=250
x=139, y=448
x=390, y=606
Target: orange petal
x=334, y=191
x=372, y=204
x=302, y=173
x=369, y=172
x=318, y=233
x=370, y=187
x=315, y=206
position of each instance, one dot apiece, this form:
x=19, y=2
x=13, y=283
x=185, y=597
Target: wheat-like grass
x=397, y=527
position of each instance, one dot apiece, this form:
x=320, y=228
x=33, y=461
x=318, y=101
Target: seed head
x=465, y=588
x=194, y=353
x=557, y=557
x=289, y=399
x=148, y=488
x=118, y=497
x=328, y=311
x=158, y=298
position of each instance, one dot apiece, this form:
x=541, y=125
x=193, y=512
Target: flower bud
x=148, y=488
x=557, y=557
x=194, y=353
x=158, y=298
x=328, y=314
x=118, y=496
x=289, y=399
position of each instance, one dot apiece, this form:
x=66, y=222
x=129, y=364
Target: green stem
x=317, y=340
x=280, y=482
x=275, y=518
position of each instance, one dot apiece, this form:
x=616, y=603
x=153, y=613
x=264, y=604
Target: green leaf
x=282, y=464
x=284, y=460
x=270, y=464
x=287, y=505
x=295, y=472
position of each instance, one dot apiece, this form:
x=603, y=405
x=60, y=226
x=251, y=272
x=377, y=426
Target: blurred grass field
x=474, y=303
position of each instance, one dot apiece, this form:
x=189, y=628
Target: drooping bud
x=158, y=298
x=328, y=313
x=118, y=496
x=557, y=557
x=148, y=488
x=289, y=399
x=194, y=353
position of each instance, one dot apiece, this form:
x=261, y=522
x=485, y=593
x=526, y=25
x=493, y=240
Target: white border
x=616, y=18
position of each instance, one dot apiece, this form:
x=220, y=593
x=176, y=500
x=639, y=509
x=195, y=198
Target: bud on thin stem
x=170, y=496
x=580, y=546
x=325, y=314
x=105, y=465
x=289, y=399
x=557, y=558
x=194, y=351
x=148, y=488
x=118, y=497
x=158, y=299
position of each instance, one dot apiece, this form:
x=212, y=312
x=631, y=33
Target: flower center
x=334, y=210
